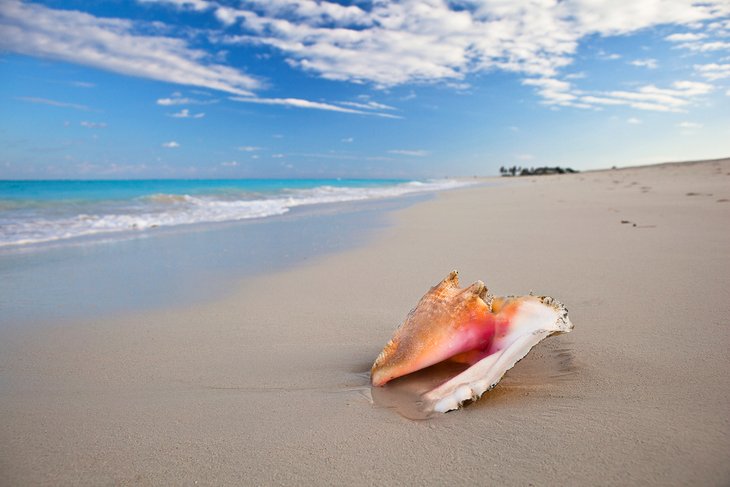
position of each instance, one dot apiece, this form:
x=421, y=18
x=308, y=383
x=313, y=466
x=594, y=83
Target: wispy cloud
x=114, y=45
x=713, y=71
x=410, y=152
x=198, y=5
x=524, y=157
x=651, y=97
x=229, y=164
x=370, y=105
x=377, y=42
x=178, y=99
x=249, y=148
x=608, y=56
x=645, y=63
x=185, y=113
x=348, y=140
x=706, y=46
x=83, y=84
x=54, y=103
x=93, y=125
x=171, y=145
x=555, y=92
x=394, y=43
x=677, y=98
x=316, y=105
x=633, y=121
x=690, y=125
x=174, y=101
x=685, y=37
x=689, y=128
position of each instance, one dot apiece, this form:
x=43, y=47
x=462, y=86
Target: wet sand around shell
x=269, y=385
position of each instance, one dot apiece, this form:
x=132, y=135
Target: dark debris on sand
x=534, y=171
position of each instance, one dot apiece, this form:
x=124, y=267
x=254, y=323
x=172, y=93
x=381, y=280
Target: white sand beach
x=269, y=384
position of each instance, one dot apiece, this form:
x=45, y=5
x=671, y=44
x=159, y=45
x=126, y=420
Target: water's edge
x=185, y=265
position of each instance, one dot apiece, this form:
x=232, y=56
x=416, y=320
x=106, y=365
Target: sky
x=360, y=89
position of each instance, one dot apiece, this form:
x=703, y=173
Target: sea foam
x=33, y=224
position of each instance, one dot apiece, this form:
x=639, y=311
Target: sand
x=269, y=385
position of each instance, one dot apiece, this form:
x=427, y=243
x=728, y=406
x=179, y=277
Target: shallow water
x=38, y=212
x=89, y=279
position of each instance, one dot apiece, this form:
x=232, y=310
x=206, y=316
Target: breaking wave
x=23, y=224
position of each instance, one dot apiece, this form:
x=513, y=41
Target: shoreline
x=212, y=257
x=269, y=384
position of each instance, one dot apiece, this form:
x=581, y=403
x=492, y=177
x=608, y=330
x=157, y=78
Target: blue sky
x=367, y=88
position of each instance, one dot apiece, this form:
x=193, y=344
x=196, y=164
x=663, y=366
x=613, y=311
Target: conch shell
x=469, y=326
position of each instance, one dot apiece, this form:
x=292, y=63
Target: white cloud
x=174, y=101
x=229, y=164
x=300, y=103
x=706, y=46
x=524, y=157
x=178, y=99
x=713, y=71
x=348, y=140
x=409, y=152
x=690, y=125
x=397, y=42
x=677, y=98
x=548, y=84
x=720, y=25
x=53, y=103
x=249, y=148
x=385, y=43
x=114, y=45
x=556, y=92
x=650, y=97
x=171, y=145
x=608, y=56
x=633, y=121
x=198, y=5
x=369, y=105
x=83, y=84
x=313, y=12
x=93, y=125
x=277, y=156
x=645, y=63
x=685, y=37
x=185, y=113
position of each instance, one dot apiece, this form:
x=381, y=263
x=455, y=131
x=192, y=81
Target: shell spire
x=446, y=321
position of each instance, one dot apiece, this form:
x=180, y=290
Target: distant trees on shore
x=534, y=171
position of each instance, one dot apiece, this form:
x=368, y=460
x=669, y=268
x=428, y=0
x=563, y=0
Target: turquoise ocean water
x=72, y=250
x=33, y=213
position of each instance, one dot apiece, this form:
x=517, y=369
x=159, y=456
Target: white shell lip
x=538, y=318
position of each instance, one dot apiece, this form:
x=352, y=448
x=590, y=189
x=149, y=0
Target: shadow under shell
x=541, y=367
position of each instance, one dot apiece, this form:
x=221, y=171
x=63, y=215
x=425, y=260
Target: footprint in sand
x=629, y=222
